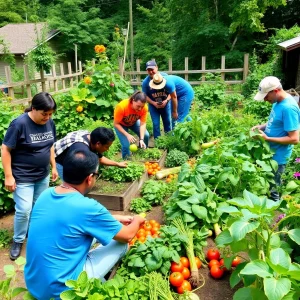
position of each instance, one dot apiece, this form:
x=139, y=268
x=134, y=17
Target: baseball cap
x=267, y=85
x=151, y=64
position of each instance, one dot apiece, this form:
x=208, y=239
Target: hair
x=79, y=164
x=42, y=101
x=138, y=96
x=103, y=135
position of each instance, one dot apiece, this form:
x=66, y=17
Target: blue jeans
x=60, y=169
x=100, y=260
x=25, y=196
x=274, y=195
x=124, y=141
x=183, y=108
x=165, y=114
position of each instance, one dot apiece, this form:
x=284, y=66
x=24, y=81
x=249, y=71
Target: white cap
x=267, y=85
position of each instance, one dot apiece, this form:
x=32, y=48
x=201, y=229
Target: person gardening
x=98, y=141
x=282, y=129
x=131, y=114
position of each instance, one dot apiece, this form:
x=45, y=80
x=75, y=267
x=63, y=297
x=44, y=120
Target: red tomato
x=236, y=262
x=185, y=261
x=213, y=262
x=153, y=222
x=142, y=239
x=176, y=279
x=198, y=262
x=216, y=272
x=222, y=265
x=185, y=286
x=213, y=254
x=176, y=267
x=140, y=233
x=154, y=229
x=147, y=226
x=186, y=273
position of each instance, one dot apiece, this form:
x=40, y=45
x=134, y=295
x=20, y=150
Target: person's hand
x=175, y=115
x=125, y=220
x=263, y=135
x=140, y=219
x=131, y=139
x=142, y=144
x=163, y=104
x=54, y=174
x=122, y=164
x=255, y=127
x=10, y=184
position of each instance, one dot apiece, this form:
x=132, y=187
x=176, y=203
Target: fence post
x=138, y=69
x=222, y=67
x=62, y=73
x=80, y=69
x=8, y=80
x=170, y=64
x=186, y=68
x=70, y=73
x=203, y=67
x=54, y=78
x=43, y=80
x=120, y=60
x=246, y=66
x=26, y=77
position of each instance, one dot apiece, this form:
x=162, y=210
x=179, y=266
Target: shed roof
x=290, y=44
x=21, y=38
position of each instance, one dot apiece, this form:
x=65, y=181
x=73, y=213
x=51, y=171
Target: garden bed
x=117, y=196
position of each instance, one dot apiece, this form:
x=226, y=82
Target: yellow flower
x=117, y=29
x=100, y=49
x=79, y=109
x=87, y=80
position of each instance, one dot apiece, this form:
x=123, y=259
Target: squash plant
x=269, y=273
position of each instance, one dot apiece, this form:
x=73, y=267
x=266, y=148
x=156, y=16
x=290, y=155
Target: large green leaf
x=294, y=271
x=276, y=289
x=229, y=210
x=264, y=166
x=292, y=296
x=248, y=167
x=257, y=267
x=185, y=205
x=239, y=229
x=240, y=202
x=199, y=211
x=280, y=260
x=291, y=186
x=235, y=276
x=152, y=264
x=224, y=238
x=249, y=293
x=294, y=234
x=258, y=202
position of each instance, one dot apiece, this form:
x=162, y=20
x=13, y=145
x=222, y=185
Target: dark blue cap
x=151, y=64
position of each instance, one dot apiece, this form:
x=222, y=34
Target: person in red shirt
x=131, y=114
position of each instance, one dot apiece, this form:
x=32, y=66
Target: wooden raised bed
x=122, y=201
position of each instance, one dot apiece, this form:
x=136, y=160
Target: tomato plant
x=176, y=267
x=185, y=261
x=186, y=273
x=185, y=286
x=213, y=262
x=213, y=254
x=222, y=265
x=176, y=279
x=216, y=272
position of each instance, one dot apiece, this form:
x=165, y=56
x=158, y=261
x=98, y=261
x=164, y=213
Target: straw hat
x=158, y=82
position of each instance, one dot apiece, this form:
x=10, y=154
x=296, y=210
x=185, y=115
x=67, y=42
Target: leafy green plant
x=168, y=142
x=131, y=173
x=5, y=237
x=261, y=109
x=6, y=198
x=116, y=288
x=269, y=272
x=154, y=192
x=233, y=101
x=8, y=290
x=176, y=158
x=139, y=205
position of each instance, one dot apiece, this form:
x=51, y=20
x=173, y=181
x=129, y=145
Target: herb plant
x=139, y=205
x=131, y=173
x=154, y=192
x=176, y=158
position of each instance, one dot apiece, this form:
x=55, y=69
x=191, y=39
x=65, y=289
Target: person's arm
x=108, y=162
x=174, y=105
x=291, y=139
x=129, y=137
x=127, y=232
x=53, y=164
x=142, y=135
x=260, y=127
x=10, y=182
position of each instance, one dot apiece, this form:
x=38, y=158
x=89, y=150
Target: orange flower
x=79, y=109
x=117, y=29
x=100, y=49
x=87, y=80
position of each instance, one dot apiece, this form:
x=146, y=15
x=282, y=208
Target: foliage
x=176, y=158
x=168, y=142
x=5, y=238
x=116, y=288
x=210, y=94
x=6, y=198
x=233, y=101
x=269, y=267
x=131, y=173
x=154, y=192
x=6, y=55
x=260, y=109
x=155, y=254
x=8, y=290
x=139, y=205
x=43, y=56
x=149, y=154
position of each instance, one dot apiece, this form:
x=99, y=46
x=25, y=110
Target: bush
x=261, y=109
x=6, y=198
x=176, y=158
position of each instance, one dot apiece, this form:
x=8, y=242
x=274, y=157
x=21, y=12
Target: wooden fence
x=52, y=83
x=135, y=76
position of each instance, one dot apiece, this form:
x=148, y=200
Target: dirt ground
x=212, y=290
